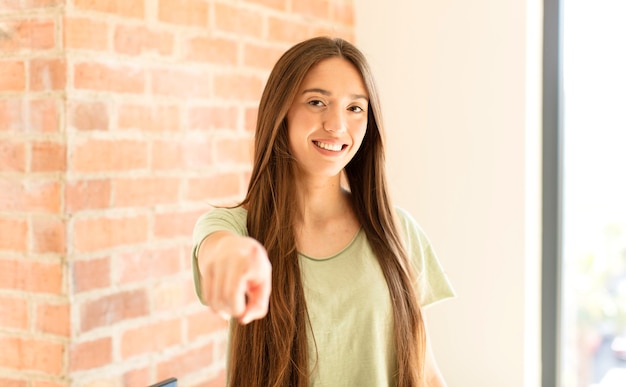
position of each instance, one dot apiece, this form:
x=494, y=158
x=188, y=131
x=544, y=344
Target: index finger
x=257, y=301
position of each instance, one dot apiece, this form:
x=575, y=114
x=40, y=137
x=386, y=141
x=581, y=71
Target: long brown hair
x=273, y=351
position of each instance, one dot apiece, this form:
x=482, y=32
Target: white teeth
x=330, y=147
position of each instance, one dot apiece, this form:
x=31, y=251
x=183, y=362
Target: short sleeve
x=433, y=284
x=218, y=219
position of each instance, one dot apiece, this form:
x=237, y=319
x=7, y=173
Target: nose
x=335, y=120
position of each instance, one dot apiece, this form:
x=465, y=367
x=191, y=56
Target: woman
x=324, y=276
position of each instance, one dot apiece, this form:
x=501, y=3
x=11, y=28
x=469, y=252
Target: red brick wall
x=120, y=122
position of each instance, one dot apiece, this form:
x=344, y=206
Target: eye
x=316, y=102
x=356, y=109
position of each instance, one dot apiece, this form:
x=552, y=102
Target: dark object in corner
x=171, y=382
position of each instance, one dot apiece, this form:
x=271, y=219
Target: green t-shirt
x=351, y=335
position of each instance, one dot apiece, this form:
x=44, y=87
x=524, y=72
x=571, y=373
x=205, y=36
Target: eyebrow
x=328, y=93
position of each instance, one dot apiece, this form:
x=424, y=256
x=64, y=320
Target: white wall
x=460, y=86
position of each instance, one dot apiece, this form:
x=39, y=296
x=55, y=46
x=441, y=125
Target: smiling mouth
x=330, y=147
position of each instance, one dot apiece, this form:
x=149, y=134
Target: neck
x=321, y=199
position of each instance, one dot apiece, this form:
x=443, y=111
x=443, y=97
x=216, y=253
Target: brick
x=91, y=274
x=47, y=74
x=199, y=154
x=93, y=234
x=219, y=380
x=40, y=34
x=171, y=296
x=174, y=224
x=194, y=152
x=187, y=248
x=203, y=324
x=53, y=319
x=168, y=155
x=191, y=298
x=47, y=156
x=31, y=276
x=187, y=362
x=108, y=155
x=14, y=313
x=91, y=354
x=87, y=194
x=250, y=119
x=212, y=50
x=238, y=20
x=10, y=40
x=247, y=175
x=181, y=83
x=114, y=308
x=12, y=76
x=342, y=12
x=142, y=265
x=136, y=40
x=184, y=12
x=102, y=381
x=238, y=87
x=319, y=9
x=30, y=195
x=12, y=156
x=109, y=77
x=288, y=31
x=13, y=383
x=149, y=118
x=221, y=185
x=88, y=115
x=137, y=377
x=30, y=4
x=334, y=31
x=280, y=5
x=11, y=118
x=124, y=8
x=261, y=57
x=142, y=192
x=150, y=338
x=45, y=383
x=14, y=234
x=24, y=354
x=29, y=35
x=174, y=155
x=213, y=117
x=234, y=150
x=48, y=235
x=33, y=116
x=43, y=116
x=85, y=33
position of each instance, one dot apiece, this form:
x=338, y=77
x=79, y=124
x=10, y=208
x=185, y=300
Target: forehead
x=335, y=74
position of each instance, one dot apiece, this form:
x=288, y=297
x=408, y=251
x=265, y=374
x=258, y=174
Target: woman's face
x=328, y=118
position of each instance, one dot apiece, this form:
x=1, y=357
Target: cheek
x=294, y=137
x=291, y=141
x=359, y=132
x=359, y=137
x=298, y=127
